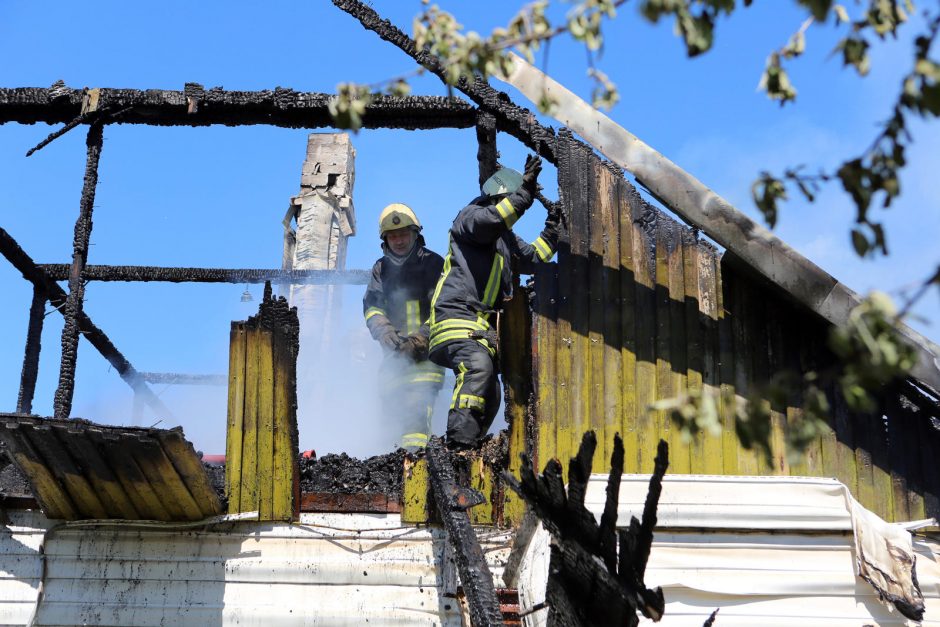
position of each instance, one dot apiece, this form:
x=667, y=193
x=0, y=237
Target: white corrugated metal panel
x=698, y=501
x=332, y=569
x=756, y=579
x=771, y=551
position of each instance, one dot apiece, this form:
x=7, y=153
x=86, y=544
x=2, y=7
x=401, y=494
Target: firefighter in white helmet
x=396, y=305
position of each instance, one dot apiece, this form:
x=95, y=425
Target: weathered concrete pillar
x=320, y=220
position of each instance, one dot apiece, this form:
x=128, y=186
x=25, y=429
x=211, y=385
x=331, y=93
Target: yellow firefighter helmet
x=397, y=216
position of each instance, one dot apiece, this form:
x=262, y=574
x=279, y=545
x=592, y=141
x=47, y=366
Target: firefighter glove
x=415, y=347
x=489, y=335
x=390, y=339
x=530, y=178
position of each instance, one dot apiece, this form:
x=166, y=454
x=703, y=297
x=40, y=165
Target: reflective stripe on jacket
x=477, y=274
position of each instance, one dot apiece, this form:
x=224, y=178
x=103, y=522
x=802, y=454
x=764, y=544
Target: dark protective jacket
x=477, y=275
x=399, y=296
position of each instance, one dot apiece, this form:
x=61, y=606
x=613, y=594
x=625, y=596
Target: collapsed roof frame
x=193, y=106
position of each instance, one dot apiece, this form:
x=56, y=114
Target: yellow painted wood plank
x=53, y=500
x=129, y=474
x=481, y=480
x=546, y=347
x=265, y=469
x=85, y=498
x=679, y=449
x=187, y=465
x=286, y=450
x=415, y=504
x=166, y=482
x=564, y=356
x=600, y=260
x=236, y=412
x=645, y=318
x=99, y=473
x=249, y=470
x=628, y=312
x=727, y=394
x=706, y=270
x=665, y=381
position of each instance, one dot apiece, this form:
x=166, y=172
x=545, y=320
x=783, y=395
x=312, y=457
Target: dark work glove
x=489, y=335
x=414, y=347
x=390, y=339
x=530, y=178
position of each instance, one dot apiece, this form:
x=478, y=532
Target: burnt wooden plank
x=776, y=364
x=545, y=348
x=709, y=303
x=743, y=361
x=760, y=366
x=644, y=260
x=611, y=371
x=169, y=487
x=475, y=575
x=627, y=199
x=102, y=478
x=678, y=343
x=66, y=471
x=726, y=370
x=580, y=385
x=182, y=457
x=360, y=502
x=129, y=474
x=665, y=380
x=54, y=500
x=598, y=201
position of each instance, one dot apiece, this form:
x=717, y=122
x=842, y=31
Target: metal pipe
x=37, y=314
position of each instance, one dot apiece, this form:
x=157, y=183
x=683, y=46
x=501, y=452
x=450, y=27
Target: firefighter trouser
x=476, y=393
x=407, y=394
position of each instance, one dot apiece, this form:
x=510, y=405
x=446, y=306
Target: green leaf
x=860, y=243
x=818, y=8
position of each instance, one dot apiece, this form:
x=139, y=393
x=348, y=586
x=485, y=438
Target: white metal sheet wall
x=332, y=569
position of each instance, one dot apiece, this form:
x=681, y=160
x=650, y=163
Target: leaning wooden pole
x=73, y=303
x=37, y=311
x=452, y=504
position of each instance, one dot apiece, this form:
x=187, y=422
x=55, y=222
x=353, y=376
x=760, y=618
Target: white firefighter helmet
x=397, y=216
x=505, y=181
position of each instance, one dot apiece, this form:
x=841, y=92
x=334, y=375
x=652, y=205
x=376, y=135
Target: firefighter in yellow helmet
x=396, y=305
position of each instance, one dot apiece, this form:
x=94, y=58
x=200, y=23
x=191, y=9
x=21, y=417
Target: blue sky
x=216, y=196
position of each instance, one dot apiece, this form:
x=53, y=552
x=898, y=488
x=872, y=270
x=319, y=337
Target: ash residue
x=13, y=482
x=216, y=474
x=340, y=473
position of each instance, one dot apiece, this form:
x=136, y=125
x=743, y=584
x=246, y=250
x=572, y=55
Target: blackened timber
x=452, y=504
x=510, y=118
x=196, y=106
x=487, y=154
x=37, y=313
x=73, y=303
x=589, y=583
x=10, y=249
x=59, y=272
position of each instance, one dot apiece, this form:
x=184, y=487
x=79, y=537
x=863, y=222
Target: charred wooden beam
x=487, y=154
x=175, y=378
x=452, y=504
x=197, y=106
x=73, y=303
x=59, y=272
x=10, y=249
x=37, y=313
x=589, y=583
x=510, y=118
